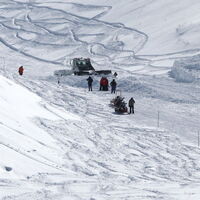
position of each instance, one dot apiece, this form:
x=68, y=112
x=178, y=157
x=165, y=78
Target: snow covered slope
x=26, y=148
x=170, y=26
x=97, y=155
x=62, y=142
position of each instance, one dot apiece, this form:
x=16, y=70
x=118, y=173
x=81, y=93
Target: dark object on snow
x=89, y=80
x=121, y=107
x=116, y=100
x=113, y=85
x=83, y=66
x=21, y=70
x=115, y=74
x=103, y=84
x=131, y=105
x=119, y=104
x=8, y=169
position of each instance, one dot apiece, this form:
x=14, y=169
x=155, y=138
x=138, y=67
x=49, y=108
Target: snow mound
x=187, y=69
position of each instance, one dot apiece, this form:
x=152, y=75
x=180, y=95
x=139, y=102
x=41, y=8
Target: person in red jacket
x=101, y=84
x=21, y=70
x=104, y=84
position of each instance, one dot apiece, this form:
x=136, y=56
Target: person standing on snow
x=103, y=84
x=115, y=74
x=89, y=80
x=21, y=70
x=131, y=105
x=113, y=85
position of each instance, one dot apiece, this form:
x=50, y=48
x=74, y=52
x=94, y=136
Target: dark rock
x=8, y=169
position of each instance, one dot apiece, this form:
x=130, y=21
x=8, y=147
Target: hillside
x=59, y=141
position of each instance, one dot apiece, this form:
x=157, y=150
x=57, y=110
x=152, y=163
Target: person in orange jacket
x=21, y=70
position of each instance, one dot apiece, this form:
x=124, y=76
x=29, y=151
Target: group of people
x=104, y=83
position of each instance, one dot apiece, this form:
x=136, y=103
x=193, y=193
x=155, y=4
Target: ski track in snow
x=100, y=149
x=70, y=37
x=107, y=158
x=74, y=23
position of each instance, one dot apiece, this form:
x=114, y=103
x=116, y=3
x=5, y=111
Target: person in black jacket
x=89, y=80
x=131, y=105
x=115, y=74
x=113, y=85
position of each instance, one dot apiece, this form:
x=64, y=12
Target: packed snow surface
x=59, y=141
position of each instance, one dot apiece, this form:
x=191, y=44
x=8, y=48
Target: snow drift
x=186, y=69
